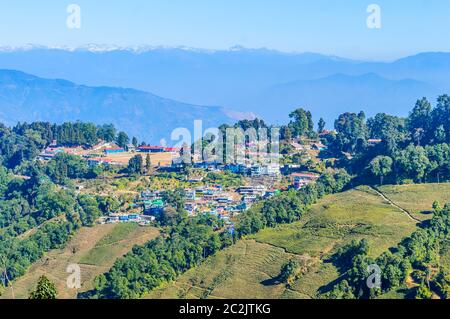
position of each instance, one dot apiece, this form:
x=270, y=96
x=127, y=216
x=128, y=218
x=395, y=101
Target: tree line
x=24, y=141
x=393, y=149
x=417, y=257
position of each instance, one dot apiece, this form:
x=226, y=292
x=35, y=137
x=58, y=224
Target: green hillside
x=94, y=249
x=417, y=198
x=250, y=268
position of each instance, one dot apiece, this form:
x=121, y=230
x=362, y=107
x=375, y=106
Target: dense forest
x=412, y=149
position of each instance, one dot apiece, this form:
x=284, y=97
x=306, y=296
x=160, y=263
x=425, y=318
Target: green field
x=236, y=272
x=418, y=198
x=250, y=268
x=113, y=243
x=94, y=249
x=338, y=219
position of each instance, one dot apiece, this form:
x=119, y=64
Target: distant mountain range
x=25, y=97
x=336, y=94
x=266, y=82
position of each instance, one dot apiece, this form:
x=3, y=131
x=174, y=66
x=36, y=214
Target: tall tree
x=420, y=121
x=106, y=132
x=135, y=165
x=301, y=122
x=439, y=156
x=321, y=125
x=286, y=134
x=122, y=139
x=441, y=115
x=351, y=132
x=413, y=162
x=381, y=166
x=383, y=125
x=45, y=289
x=440, y=135
x=148, y=163
x=134, y=141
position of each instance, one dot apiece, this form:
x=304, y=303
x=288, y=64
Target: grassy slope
x=237, y=272
x=249, y=269
x=418, y=198
x=337, y=220
x=93, y=249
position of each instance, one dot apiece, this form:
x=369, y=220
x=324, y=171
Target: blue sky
x=335, y=27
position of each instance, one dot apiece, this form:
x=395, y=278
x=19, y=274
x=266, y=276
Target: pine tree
x=321, y=125
x=135, y=165
x=134, y=141
x=148, y=163
x=45, y=289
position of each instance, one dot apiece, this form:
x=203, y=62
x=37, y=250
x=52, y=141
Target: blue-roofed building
x=115, y=150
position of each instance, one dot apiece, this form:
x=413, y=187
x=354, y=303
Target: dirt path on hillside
x=395, y=205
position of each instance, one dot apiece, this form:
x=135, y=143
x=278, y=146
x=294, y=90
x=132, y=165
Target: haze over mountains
x=266, y=82
x=27, y=98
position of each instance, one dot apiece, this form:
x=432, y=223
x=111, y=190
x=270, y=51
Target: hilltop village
x=223, y=190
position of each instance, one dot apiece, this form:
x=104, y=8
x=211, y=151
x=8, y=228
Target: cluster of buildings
x=108, y=153
x=241, y=169
x=145, y=210
x=299, y=146
x=158, y=149
x=255, y=169
x=117, y=218
x=109, y=149
x=211, y=200
x=204, y=199
x=152, y=203
x=225, y=204
x=54, y=150
x=300, y=180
